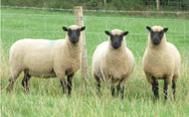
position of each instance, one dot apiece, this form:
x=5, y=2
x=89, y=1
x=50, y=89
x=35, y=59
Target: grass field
x=46, y=99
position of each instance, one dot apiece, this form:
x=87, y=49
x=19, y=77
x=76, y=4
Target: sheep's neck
x=162, y=45
x=74, y=49
x=116, y=54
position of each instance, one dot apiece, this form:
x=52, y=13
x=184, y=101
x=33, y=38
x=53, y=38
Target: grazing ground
x=46, y=99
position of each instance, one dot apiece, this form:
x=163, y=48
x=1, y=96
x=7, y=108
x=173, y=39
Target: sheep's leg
x=122, y=90
x=10, y=85
x=121, y=87
x=69, y=83
x=25, y=81
x=63, y=84
x=98, y=83
x=61, y=75
x=155, y=87
x=118, y=89
x=174, y=87
x=165, y=88
x=113, y=90
x=12, y=80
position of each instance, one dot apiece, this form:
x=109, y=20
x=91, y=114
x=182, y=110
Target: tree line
x=103, y=4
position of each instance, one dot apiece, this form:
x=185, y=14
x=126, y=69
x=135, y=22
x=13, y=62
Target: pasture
x=46, y=99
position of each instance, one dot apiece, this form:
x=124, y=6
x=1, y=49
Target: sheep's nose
x=74, y=39
x=116, y=45
x=156, y=41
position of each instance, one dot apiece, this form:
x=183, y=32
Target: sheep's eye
x=151, y=33
x=69, y=32
x=116, y=37
x=161, y=34
x=121, y=37
x=75, y=32
x=78, y=31
x=112, y=37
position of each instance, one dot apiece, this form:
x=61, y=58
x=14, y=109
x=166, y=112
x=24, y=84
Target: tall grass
x=46, y=98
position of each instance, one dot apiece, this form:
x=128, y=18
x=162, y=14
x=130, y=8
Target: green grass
x=46, y=99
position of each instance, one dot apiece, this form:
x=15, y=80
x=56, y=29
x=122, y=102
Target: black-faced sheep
x=47, y=58
x=113, y=61
x=161, y=60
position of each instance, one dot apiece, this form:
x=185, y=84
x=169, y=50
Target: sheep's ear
x=165, y=30
x=107, y=32
x=148, y=28
x=82, y=28
x=65, y=28
x=125, y=33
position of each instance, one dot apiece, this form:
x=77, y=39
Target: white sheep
x=113, y=61
x=47, y=58
x=161, y=60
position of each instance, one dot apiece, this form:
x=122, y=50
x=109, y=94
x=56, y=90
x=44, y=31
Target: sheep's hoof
x=9, y=89
x=99, y=94
x=155, y=99
x=26, y=90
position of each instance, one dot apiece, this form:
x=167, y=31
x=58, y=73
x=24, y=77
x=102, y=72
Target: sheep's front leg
x=118, y=88
x=63, y=84
x=174, y=87
x=61, y=76
x=122, y=90
x=165, y=88
x=25, y=82
x=155, y=87
x=113, y=86
x=113, y=90
x=69, y=83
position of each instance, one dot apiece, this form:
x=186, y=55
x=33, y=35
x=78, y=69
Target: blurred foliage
x=103, y=4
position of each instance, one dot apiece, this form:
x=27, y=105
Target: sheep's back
x=34, y=55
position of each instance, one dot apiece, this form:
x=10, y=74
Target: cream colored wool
x=162, y=61
x=45, y=58
x=111, y=63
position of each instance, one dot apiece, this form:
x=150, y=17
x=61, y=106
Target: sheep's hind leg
x=12, y=80
x=98, y=84
x=69, y=83
x=165, y=88
x=155, y=87
x=25, y=81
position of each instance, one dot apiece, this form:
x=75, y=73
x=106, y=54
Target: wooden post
x=105, y=2
x=78, y=11
x=157, y=4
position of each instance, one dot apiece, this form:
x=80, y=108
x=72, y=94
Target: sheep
x=47, y=58
x=161, y=60
x=113, y=61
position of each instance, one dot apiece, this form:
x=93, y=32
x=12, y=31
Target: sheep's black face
x=74, y=34
x=116, y=40
x=156, y=36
